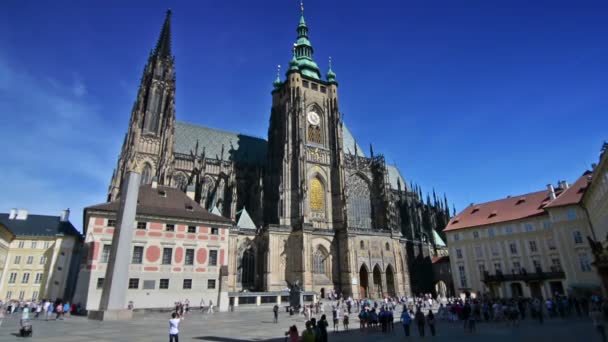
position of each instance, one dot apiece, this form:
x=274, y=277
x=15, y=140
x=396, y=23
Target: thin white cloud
x=58, y=151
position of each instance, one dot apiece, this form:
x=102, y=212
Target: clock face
x=313, y=118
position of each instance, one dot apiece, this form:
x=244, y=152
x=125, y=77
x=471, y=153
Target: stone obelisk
x=113, y=304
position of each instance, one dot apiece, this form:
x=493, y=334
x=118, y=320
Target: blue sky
x=477, y=99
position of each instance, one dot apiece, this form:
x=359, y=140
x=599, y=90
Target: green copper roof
x=304, y=52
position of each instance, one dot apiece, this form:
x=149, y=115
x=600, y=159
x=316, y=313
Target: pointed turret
x=331, y=75
x=304, y=50
x=163, y=46
x=277, y=82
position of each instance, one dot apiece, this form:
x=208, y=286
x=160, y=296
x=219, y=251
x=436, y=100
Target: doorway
x=378, y=282
x=363, y=277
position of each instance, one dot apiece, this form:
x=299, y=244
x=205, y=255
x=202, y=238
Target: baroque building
x=310, y=205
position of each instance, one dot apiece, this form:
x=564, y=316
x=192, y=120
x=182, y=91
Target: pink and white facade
x=172, y=259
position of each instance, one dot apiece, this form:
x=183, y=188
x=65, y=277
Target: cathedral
x=308, y=204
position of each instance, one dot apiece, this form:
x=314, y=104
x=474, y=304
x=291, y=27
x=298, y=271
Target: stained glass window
x=358, y=205
x=314, y=134
x=317, y=201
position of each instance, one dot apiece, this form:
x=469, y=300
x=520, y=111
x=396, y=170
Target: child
x=345, y=321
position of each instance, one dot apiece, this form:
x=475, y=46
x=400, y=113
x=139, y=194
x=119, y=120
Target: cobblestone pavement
x=258, y=326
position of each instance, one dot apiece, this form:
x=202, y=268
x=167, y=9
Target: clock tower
x=304, y=204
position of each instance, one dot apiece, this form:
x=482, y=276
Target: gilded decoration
x=317, y=201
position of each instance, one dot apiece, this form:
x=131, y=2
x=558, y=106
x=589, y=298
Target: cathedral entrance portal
x=390, y=281
x=378, y=282
x=363, y=276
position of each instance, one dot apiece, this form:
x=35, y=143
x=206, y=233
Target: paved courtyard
x=258, y=326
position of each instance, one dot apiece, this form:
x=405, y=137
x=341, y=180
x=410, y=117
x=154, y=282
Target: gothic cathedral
x=309, y=205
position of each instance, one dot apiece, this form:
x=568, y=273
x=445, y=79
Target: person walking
x=174, y=327
x=430, y=320
x=322, y=326
x=406, y=320
x=292, y=334
x=598, y=321
x=420, y=321
x=210, y=310
x=345, y=321
x=308, y=335
x=275, y=311
x=49, y=311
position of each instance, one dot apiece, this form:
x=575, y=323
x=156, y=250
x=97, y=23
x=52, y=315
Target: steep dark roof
x=38, y=225
x=174, y=203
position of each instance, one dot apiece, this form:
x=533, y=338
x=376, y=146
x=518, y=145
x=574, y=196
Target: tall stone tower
x=149, y=139
x=304, y=196
x=305, y=145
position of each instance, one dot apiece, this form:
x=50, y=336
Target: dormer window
x=162, y=193
x=493, y=213
x=189, y=207
x=520, y=200
x=476, y=209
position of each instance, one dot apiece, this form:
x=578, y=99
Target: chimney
x=190, y=191
x=13, y=214
x=65, y=215
x=154, y=183
x=551, y=191
x=21, y=214
x=565, y=185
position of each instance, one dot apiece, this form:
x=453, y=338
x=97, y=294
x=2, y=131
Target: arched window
x=248, y=269
x=362, y=245
x=180, y=181
x=314, y=134
x=387, y=247
x=358, y=205
x=319, y=262
x=146, y=174
x=317, y=195
x=152, y=118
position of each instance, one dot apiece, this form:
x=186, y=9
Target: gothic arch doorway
x=378, y=282
x=441, y=289
x=390, y=281
x=248, y=269
x=363, y=286
x=323, y=293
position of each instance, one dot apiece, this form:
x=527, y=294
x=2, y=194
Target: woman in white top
x=174, y=327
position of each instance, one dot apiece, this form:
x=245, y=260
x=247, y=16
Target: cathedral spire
x=331, y=75
x=304, y=50
x=163, y=46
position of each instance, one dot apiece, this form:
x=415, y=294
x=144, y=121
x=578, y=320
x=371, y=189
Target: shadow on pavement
x=227, y=339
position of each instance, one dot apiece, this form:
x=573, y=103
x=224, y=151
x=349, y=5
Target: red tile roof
x=174, y=203
x=517, y=207
x=574, y=193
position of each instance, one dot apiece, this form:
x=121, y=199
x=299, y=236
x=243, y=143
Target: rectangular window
x=100, y=283
x=513, y=248
x=551, y=244
x=495, y=247
x=34, y=244
x=13, y=278
x=170, y=227
x=529, y=227
x=456, y=237
x=21, y=295
x=18, y=259
x=491, y=232
x=516, y=267
x=191, y=229
x=533, y=247
x=187, y=284
x=105, y=253
x=482, y=270
x=26, y=278
x=9, y=294
x=189, y=257
x=138, y=255
x=305, y=84
x=167, y=256
x=211, y=284
x=546, y=224
x=134, y=283
x=463, y=276
x=149, y=284
x=35, y=295
x=537, y=267
x=42, y=260
x=30, y=260
x=459, y=253
x=215, y=231
x=38, y=278
x=585, y=262
x=212, y=258
x=509, y=230
x=578, y=237
x=314, y=86
x=556, y=265
x=21, y=244
x=323, y=89
x=141, y=225
x=164, y=284
x=478, y=251
x=475, y=235
x=111, y=223
x=571, y=214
